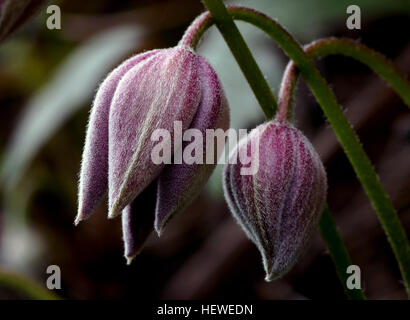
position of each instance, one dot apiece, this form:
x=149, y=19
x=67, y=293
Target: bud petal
x=280, y=205
x=138, y=221
x=186, y=180
x=153, y=94
x=94, y=167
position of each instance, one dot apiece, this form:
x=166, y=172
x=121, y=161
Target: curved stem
x=286, y=93
x=26, y=286
x=338, y=252
x=347, y=47
x=331, y=236
x=343, y=130
x=347, y=137
x=196, y=30
x=377, y=62
x=242, y=54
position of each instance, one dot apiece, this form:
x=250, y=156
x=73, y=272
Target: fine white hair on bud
x=280, y=205
x=148, y=92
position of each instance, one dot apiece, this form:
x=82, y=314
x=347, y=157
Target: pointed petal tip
x=83, y=213
x=112, y=214
x=268, y=278
x=114, y=210
x=159, y=228
x=78, y=219
x=129, y=259
x=270, y=271
x=271, y=275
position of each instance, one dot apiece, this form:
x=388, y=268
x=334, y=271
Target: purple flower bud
x=94, y=169
x=150, y=91
x=280, y=205
x=13, y=13
x=154, y=94
x=186, y=180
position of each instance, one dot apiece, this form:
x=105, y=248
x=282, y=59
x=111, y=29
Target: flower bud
x=153, y=90
x=280, y=205
x=94, y=168
x=154, y=94
x=186, y=180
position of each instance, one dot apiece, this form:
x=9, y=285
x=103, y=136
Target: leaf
x=72, y=85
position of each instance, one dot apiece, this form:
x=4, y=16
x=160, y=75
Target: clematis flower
x=14, y=13
x=280, y=205
x=150, y=91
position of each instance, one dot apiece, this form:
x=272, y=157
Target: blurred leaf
x=70, y=88
x=14, y=13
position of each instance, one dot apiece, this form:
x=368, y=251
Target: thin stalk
x=26, y=286
x=331, y=236
x=377, y=62
x=286, y=93
x=338, y=252
x=347, y=47
x=343, y=130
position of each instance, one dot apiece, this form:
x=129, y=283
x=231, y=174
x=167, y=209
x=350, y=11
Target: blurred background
x=47, y=82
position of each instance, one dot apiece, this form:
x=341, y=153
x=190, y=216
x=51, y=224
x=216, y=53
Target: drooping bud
x=280, y=205
x=94, y=169
x=13, y=13
x=186, y=179
x=156, y=90
x=155, y=94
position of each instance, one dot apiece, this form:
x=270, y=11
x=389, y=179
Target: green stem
x=347, y=47
x=242, y=54
x=331, y=236
x=377, y=62
x=25, y=286
x=338, y=252
x=343, y=130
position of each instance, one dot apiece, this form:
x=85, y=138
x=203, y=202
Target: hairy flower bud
x=13, y=13
x=154, y=94
x=185, y=180
x=280, y=205
x=149, y=92
x=94, y=168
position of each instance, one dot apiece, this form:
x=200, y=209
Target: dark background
x=203, y=254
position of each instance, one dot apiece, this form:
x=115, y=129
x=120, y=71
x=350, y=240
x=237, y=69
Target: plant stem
x=286, y=94
x=26, y=286
x=344, y=132
x=196, y=30
x=338, y=252
x=377, y=62
x=242, y=54
x=347, y=47
x=331, y=236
